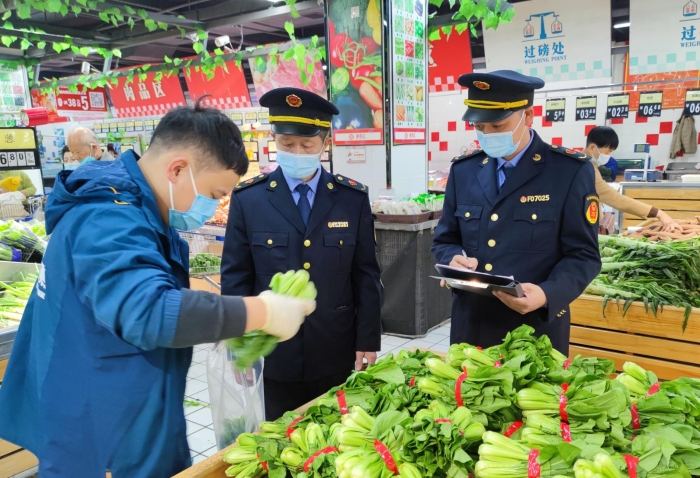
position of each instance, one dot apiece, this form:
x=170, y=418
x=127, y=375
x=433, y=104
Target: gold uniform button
x=492, y=243
x=307, y=266
x=269, y=241
x=467, y=214
x=488, y=267
x=494, y=217
x=307, y=243
x=534, y=216
x=341, y=242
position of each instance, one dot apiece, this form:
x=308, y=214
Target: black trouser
x=281, y=397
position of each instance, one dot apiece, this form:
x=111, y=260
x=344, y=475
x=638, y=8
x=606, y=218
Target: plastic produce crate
x=413, y=303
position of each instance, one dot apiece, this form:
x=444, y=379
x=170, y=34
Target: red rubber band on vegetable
x=386, y=456
x=565, y=432
x=413, y=382
x=513, y=428
x=342, y=404
x=325, y=451
x=262, y=463
x=478, y=348
x=632, y=463
x=567, y=364
x=562, y=403
x=636, y=424
x=497, y=364
x=290, y=429
x=533, y=468
x=458, y=387
x=444, y=420
x=653, y=389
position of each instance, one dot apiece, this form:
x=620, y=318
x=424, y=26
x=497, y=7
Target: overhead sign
x=148, y=97
x=558, y=40
x=226, y=90
x=555, y=110
x=274, y=72
x=664, y=36
x=444, y=67
x=618, y=106
x=586, y=107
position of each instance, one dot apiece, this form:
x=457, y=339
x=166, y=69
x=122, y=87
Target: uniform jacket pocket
x=270, y=251
x=535, y=229
x=469, y=224
x=339, y=249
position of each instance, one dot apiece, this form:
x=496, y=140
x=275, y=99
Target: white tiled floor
x=200, y=429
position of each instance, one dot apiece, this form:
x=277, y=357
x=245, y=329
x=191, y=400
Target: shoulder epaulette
x=351, y=183
x=468, y=154
x=570, y=153
x=260, y=178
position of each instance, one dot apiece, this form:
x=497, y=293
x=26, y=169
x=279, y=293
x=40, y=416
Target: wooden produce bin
x=654, y=343
x=679, y=200
x=13, y=459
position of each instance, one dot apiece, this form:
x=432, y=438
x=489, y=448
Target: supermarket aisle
x=200, y=431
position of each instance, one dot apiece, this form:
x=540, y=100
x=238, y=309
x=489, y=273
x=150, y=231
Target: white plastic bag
x=237, y=396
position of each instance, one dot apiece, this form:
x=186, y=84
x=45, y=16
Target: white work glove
x=285, y=314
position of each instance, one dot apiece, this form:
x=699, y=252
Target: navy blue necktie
x=304, y=205
x=507, y=171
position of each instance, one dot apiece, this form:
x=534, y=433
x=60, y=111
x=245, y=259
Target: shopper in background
x=66, y=155
x=111, y=150
x=25, y=185
x=86, y=147
x=96, y=380
x=521, y=208
x=300, y=216
x=601, y=142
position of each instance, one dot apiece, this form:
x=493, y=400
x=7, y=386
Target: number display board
x=650, y=104
x=555, y=110
x=18, y=151
x=586, y=108
x=692, y=102
x=618, y=106
x=272, y=151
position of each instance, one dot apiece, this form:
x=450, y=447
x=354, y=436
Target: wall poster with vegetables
x=409, y=34
x=355, y=52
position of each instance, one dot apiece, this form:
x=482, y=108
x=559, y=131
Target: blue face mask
x=201, y=210
x=298, y=166
x=87, y=160
x=499, y=145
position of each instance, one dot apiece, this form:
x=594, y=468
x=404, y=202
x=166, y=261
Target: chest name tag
x=338, y=224
x=542, y=198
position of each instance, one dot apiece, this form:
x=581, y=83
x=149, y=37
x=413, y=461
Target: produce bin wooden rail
x=678, y=202
x=13, y=459
x=655, y=343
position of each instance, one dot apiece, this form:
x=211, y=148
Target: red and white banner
x=148, y=97
x=409, y=135
x=71, y=103
x=448, y=59
x=351, y=137
x=228, y=90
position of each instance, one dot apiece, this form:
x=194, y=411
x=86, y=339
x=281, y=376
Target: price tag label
x=692, y=102
x=264, y=117
x=650, y=104
x=251, y=117
x=237, y=118
x=97, y=128
x=129, y=126
x=138, y=126
x=618, y=106
x=113, y=128
x=555, y=110
x=148, y=125
x=586, y=107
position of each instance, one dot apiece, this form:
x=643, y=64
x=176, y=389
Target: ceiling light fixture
x=622, y=25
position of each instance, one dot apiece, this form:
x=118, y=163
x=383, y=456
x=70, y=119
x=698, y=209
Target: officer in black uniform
x=517, y=207
x=302, y=217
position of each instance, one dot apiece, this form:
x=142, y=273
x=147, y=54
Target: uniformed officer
x=302, y=217
x=518, y=207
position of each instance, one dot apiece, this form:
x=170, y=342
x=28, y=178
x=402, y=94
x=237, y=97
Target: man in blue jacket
x=96, y=378
x=521, y=208
x=301, y=216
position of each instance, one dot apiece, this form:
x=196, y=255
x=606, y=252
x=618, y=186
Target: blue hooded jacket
x=91, y=384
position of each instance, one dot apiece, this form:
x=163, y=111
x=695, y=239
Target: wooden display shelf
x=654, y=343
x=678, y=202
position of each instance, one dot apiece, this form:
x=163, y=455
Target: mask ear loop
x=526, y=128
x=194, y=186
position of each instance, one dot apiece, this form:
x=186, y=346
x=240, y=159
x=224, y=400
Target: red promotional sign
x=94, y=100
x=148, y=97
x=47, y=102
x=227, y=90
x=448, y=59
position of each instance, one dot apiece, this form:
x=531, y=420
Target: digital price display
x=586, y=107
x=692, y=102
x=618, y=106
x=650, y=104
x=555, y=110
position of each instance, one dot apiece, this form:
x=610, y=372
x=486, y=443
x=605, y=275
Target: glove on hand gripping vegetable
x=278, y=326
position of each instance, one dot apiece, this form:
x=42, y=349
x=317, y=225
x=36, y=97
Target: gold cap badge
x=293, y=101
x=482, y=85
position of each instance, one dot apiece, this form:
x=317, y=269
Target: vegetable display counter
x=412, y=302
x=679, y=200
x=655, y=343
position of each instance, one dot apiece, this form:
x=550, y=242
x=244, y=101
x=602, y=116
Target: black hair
x=207, y=130
x=65, y=150
x=110, y=147
x=603, y=137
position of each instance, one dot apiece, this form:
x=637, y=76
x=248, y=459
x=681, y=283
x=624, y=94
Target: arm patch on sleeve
x=592, y=209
